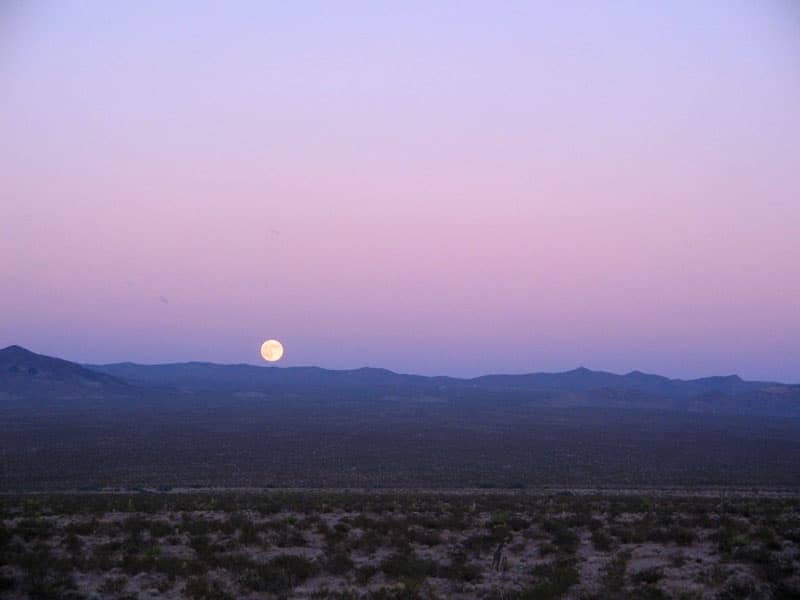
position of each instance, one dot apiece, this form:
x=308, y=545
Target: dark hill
x=26, y=374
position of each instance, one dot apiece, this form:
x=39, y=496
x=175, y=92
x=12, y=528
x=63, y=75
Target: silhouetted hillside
x=727, y=394
x=25, y=374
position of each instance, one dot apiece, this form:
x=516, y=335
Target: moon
x=271, y=350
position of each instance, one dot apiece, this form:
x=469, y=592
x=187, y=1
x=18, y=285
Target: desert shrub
x=342, y=529
x=165, y=584
x=133, y=543
x=626, y=533
x=201, y=544
x=235, y=520
x=601, y=540
x=336, y=561
x=266, y=506
x=51, y=586
x=741, y=587
x=327, y=594
x=767, y=536
x=34, y=529
x=582, y=517
x=6, y=583
x=547, y=548
x=518, y=523
x=613, y=576
x=786, y=590
x=248, y=534
x=286, y=535
x=456, y=520
x=461, y=571
x=5, y=538
x=193, y=526
x=683, y=536
x=365, y=573
x=648, y=592
x=752, y=553
x=113, y=585
x=307, y=523
x=734, y=523
x=159, y=529
x=237, y=562
x=777, y=567
x=408, y=565
x=479, y=543
x=409, y=590
x=152, y=561
x=553, y=580
x=368, y=541
x=677, y=559
x=44, y=576
x=280, y=574
x=201, y=588
x=424, y=537
x=134, y=525
x=73, y=544
x=386, y=525
x=792, y=535
x=298, y=568
x=497, y=518
x=715, y=576
x=730, y=539
x=102, y=557
x=565, y=539
x=648, y=576
x=81, y=527
x=334, y=535
x=361, y=520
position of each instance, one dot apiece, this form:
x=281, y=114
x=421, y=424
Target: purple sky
x=453, y=188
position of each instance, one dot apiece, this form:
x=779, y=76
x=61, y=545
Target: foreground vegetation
x=399, y=545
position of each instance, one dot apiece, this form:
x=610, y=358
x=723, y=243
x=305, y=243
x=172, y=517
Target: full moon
x=271, y=350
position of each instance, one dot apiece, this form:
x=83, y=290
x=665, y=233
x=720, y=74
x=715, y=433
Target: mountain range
x=65, y=425
x=25, y=374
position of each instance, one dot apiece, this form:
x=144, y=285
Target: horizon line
x=402, y=373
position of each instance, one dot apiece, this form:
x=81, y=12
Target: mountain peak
x=14, y=349
x=24, y=370
x=721, y=379
x=581, y=370
x=17, y=354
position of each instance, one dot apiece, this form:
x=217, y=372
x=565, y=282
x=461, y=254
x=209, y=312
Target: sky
x=440, y=188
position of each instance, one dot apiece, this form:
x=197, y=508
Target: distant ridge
x=580, y=379
x=23, y=372
x=578, y=387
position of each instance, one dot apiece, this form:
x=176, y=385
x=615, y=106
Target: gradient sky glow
x=454, y=188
